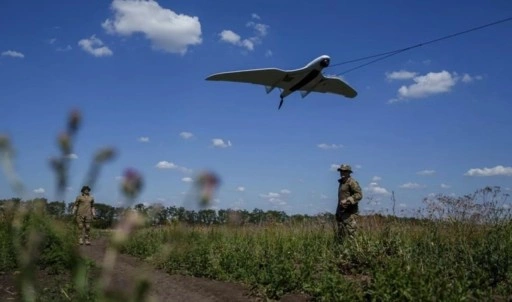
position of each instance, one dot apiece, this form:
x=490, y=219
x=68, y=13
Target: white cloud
x=376, y=178
x=13, y=54
x=286, y=191
x=186, y=135
x=375, y=188
x=95, y=47
x=167, y=30
x=260, y=28
x=170, y=165
x=426, y=172
x=273, y=198
x=429, y=84
x=186, y=179
x=67, y=48
x=268, y=53
x=445, y=186
x=270, y=195
x=166, y=165
x=411, y=185
x=496, y=171
x=231, y=37
x=219, y=143
x=240, y=189
x=72, y=156
x=143, y=139
x=255, y=16
x=39, y=191
x=400, y=75
x=260, y=31
x=331, y=146
x=466, y=78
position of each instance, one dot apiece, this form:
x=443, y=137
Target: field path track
x=165, y=287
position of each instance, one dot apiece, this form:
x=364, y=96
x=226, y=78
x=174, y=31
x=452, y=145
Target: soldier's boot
x=87, y=231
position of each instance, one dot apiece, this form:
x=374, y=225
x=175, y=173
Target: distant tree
x=257, y=216
x=157, y=214
x=140, y=207
x=207, y=217
x=56, y=209
x=104, y=216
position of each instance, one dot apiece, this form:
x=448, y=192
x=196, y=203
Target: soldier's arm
x=75, y=205
x=358, y=192
x=93, y=209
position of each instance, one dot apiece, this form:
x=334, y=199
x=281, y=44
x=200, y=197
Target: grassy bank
x=389, y=260
x=39, y=256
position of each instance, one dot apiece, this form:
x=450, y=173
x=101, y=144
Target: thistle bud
x=74, y=120
x=5, y=143
x=207, y=183
x=104, y=155
x=65, y=143
x=132, y=183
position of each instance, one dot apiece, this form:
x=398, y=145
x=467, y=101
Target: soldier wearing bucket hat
x=349, y=195
x=84, y=211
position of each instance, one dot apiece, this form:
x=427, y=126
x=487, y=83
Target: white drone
x=306, y=79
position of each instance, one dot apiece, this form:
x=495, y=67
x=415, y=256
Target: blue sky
x=435, y=119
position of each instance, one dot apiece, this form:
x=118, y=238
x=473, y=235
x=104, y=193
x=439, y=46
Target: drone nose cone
x=325, y=62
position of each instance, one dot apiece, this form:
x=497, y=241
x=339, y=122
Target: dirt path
x=165, y=287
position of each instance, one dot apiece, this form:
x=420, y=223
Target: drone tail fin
x=268, y=89
x=304, y=93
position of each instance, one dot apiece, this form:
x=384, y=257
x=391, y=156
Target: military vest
x=345, y=190
x=84, y=204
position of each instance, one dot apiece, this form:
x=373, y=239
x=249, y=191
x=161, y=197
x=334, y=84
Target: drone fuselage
x=312, y=76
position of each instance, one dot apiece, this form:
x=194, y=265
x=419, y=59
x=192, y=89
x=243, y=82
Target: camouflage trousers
x=84, y=226
x=346, y=225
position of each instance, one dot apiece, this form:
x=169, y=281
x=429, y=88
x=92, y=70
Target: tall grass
x=33, y=242
x=393, y=261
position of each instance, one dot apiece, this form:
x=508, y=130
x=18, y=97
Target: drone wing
x=270, y=77
x=335, y=85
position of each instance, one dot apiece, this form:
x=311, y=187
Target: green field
x=458, y=251
x=389, y=260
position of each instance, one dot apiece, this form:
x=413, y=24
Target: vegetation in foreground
x=464, y=254
x=460, y=250
x=40, y=255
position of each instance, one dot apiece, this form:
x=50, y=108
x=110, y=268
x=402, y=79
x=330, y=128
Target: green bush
x=398, y=261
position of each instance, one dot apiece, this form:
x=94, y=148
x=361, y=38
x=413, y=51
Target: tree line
x=158, y=214
x=486, y=205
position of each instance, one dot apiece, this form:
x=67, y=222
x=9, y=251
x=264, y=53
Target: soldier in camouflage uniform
x=84, y=211
x=349, y=195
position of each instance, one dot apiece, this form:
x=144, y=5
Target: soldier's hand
x=344, y=203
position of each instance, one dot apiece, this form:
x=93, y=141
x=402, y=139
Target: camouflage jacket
x=84, y=205
x=351, y=191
